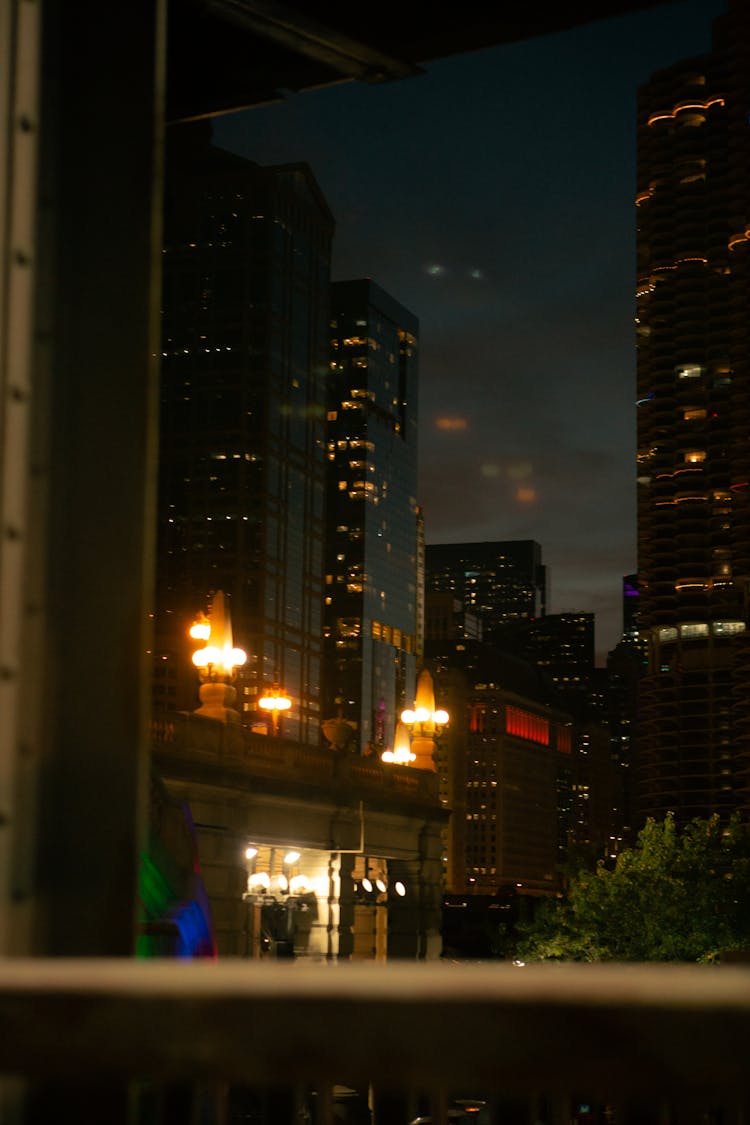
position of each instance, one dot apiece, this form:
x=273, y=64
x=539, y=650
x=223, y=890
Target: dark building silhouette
x=244, y=363
x=446, y=618
x=630, y=600
x=372, y=536
x=562, y=646
x=693, y=417
x=502, y=583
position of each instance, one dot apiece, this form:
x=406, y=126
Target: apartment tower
x=693, y=428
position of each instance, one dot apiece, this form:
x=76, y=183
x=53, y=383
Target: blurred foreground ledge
x=614, y=1031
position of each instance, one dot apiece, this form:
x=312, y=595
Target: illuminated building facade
x=693, y=213
x=244, y=359
x=502, y=583
x=506, y=769
x=373, y=522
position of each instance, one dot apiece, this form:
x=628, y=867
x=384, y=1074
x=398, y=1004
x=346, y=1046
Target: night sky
x=493, y=196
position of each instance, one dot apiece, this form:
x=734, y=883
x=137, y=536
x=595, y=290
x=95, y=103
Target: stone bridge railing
x=194, y=738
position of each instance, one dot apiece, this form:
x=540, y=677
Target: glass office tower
x=244, y=360
x=372, y=541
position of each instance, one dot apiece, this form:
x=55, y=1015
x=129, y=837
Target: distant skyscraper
x=562, y=646
x=630, y=597
x=244, y=363
x=693, y=427
x=501, y=582
x=373, y=523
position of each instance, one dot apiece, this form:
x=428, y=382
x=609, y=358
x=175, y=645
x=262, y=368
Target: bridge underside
x=365, y=882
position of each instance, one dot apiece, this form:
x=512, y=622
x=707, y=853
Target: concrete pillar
x=94, y=459
x=346, y=907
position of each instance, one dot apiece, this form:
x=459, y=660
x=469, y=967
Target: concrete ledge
x=612, y=1031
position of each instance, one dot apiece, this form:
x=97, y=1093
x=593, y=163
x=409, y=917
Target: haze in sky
x=493, y=196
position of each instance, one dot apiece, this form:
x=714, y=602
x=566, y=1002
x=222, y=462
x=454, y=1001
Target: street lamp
x=274, y=704
x=217, y=662
x=425, y=723
x=401, y=754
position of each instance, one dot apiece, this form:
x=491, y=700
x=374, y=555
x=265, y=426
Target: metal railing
x=538, y=1043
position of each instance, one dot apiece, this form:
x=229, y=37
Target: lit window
x=728, y=628
x=688, y=371
x=692, y=413
x=689, y=632
x=695, y=456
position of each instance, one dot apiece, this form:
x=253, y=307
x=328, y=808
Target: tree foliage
x=677, y=895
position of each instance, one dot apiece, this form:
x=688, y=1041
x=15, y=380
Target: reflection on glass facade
x=244, y=354
x=371, y=541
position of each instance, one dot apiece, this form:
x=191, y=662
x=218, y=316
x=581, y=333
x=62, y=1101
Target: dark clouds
x=493, y=196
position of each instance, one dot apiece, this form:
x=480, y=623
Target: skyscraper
x=562, y=646
x=244, y=360
x=373, y=523
x=693, y=419
x=503, y=583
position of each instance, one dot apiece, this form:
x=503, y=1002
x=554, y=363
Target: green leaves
x=675, y=896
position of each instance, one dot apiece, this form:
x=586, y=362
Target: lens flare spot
x=525, y=495
x=490, y=470
x=520, y=471
x=455, y=423
x=476, y=275
x=434, y=269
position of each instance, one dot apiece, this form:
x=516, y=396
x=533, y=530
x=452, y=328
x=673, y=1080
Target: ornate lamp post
x=424, y=723
x=276, y=702
x=217, y=662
